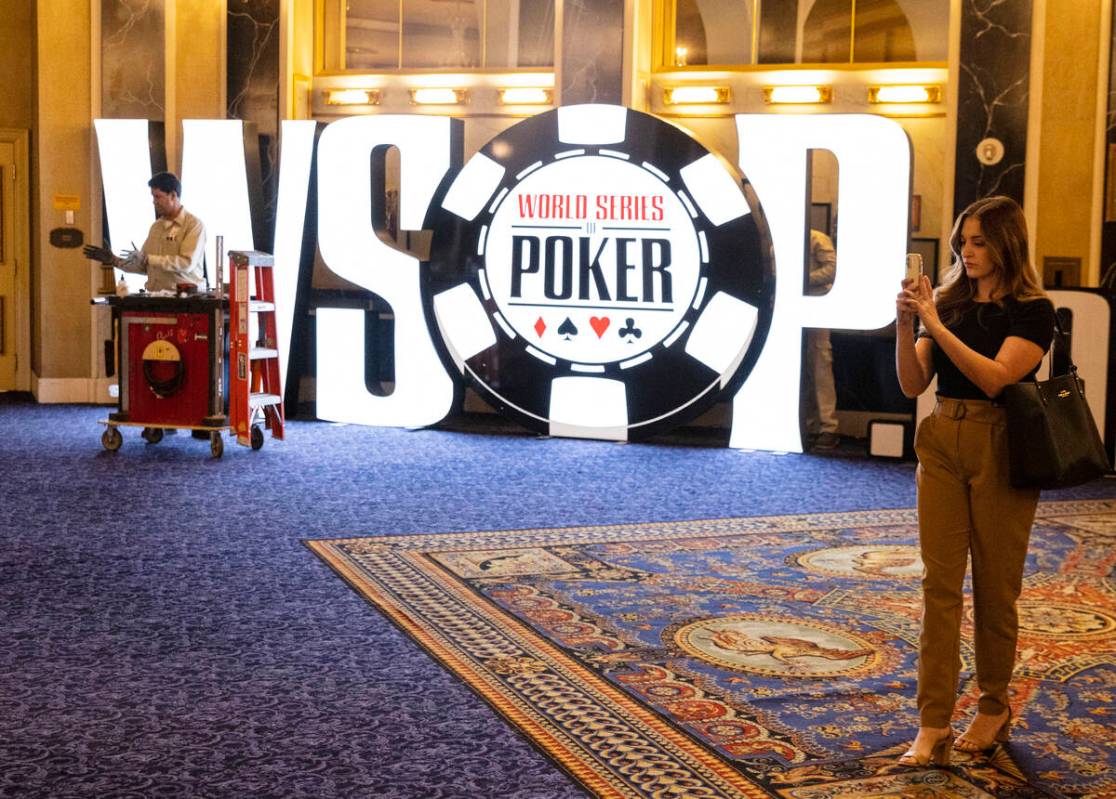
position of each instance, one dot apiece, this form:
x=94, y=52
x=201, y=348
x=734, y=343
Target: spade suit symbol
x=567, y=329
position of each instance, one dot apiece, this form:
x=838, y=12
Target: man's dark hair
x=166, y=182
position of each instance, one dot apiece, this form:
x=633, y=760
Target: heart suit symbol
x=599, y=324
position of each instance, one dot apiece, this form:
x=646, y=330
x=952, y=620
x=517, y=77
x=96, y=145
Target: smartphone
x=914, y=266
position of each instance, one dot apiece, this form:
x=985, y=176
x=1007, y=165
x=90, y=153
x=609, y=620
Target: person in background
x=819, y=395
x=174, y=250
x=987, y=327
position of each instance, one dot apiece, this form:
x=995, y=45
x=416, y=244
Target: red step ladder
x=255, y=395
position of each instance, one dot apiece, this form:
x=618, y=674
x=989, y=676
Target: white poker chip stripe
x=668, y=342
x=470, y=191
x=463, y=322
x=714, y=190
x=654, y=170
x=499, y=317
x=528, y=170
x=636, y=361
x=482, y=281
x=542, y=356
x=592, y=124
x=722, y=333
x=686, y=201
x=588, y=407
x=496, y=200
x=699, y=294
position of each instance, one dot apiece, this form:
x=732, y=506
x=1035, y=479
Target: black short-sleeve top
x=983, y=326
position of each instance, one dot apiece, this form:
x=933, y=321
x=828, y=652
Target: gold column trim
x=756, y=5
x=852, y=32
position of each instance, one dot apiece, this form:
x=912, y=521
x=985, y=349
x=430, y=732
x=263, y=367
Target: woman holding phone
x=987, y=326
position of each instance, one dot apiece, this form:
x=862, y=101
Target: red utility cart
x=171, y=361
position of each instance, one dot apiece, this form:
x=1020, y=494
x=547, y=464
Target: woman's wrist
x=933, y=327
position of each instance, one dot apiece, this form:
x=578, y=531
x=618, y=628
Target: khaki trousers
x=819, y=392
x=966, y=507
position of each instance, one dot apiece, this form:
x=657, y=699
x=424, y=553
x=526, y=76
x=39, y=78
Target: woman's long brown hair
x=1005, y=235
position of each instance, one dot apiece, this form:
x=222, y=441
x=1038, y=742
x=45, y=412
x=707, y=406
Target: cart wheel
x=111, y=439
x=257, y=437
x=152, y=435
x=216, y=444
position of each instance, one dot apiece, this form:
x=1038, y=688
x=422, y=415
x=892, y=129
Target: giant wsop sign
x=594, y=271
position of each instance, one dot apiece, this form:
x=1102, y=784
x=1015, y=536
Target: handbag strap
x=1071, y=370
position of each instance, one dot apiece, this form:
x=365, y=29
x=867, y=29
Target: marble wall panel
x=992, y=98
x=592, y=51
x=133, y=71
x=253, y=92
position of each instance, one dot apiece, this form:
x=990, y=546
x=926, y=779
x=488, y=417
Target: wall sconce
x=353, y=96
x=680, y=56
x=696, y=95
x=799, y=95
x=525, y=95
x=434, y=96
x=904, y=94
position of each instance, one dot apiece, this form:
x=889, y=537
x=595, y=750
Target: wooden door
x=8, y=266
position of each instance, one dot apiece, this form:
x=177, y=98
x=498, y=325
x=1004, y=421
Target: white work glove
x=136, y=258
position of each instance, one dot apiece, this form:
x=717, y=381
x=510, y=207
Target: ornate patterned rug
x=755, y=657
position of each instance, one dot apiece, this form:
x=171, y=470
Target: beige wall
x=1065, y=168
x=17, y=33
x=60, y=107
x=61, y=165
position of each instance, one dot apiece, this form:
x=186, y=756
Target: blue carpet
x=166, y=633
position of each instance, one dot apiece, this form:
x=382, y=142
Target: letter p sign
x=874, y=158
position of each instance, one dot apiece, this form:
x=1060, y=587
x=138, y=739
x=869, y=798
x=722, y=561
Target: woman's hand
x=917, y=299
x=903, y=314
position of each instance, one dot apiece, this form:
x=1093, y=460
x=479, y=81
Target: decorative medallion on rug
x=754, y=657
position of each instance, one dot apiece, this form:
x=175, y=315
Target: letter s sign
x=428, y=147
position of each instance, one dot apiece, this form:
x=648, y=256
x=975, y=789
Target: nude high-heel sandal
x=1002, y=735
x=938, y=756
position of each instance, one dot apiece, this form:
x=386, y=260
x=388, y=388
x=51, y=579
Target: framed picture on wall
x=928, y=249
x=820, y=217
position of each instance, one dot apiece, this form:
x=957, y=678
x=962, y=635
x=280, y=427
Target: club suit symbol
x=567, y=329
x=629, y=330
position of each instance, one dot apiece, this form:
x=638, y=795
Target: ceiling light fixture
x=353, y=96
x=696, y=95
x=905, y=94
x=798, y=95
x=525, y=95
x=438, y=96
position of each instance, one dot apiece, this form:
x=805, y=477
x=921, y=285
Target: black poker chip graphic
x=596, y=272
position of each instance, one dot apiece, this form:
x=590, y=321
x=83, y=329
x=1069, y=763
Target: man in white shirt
x=175, y=247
